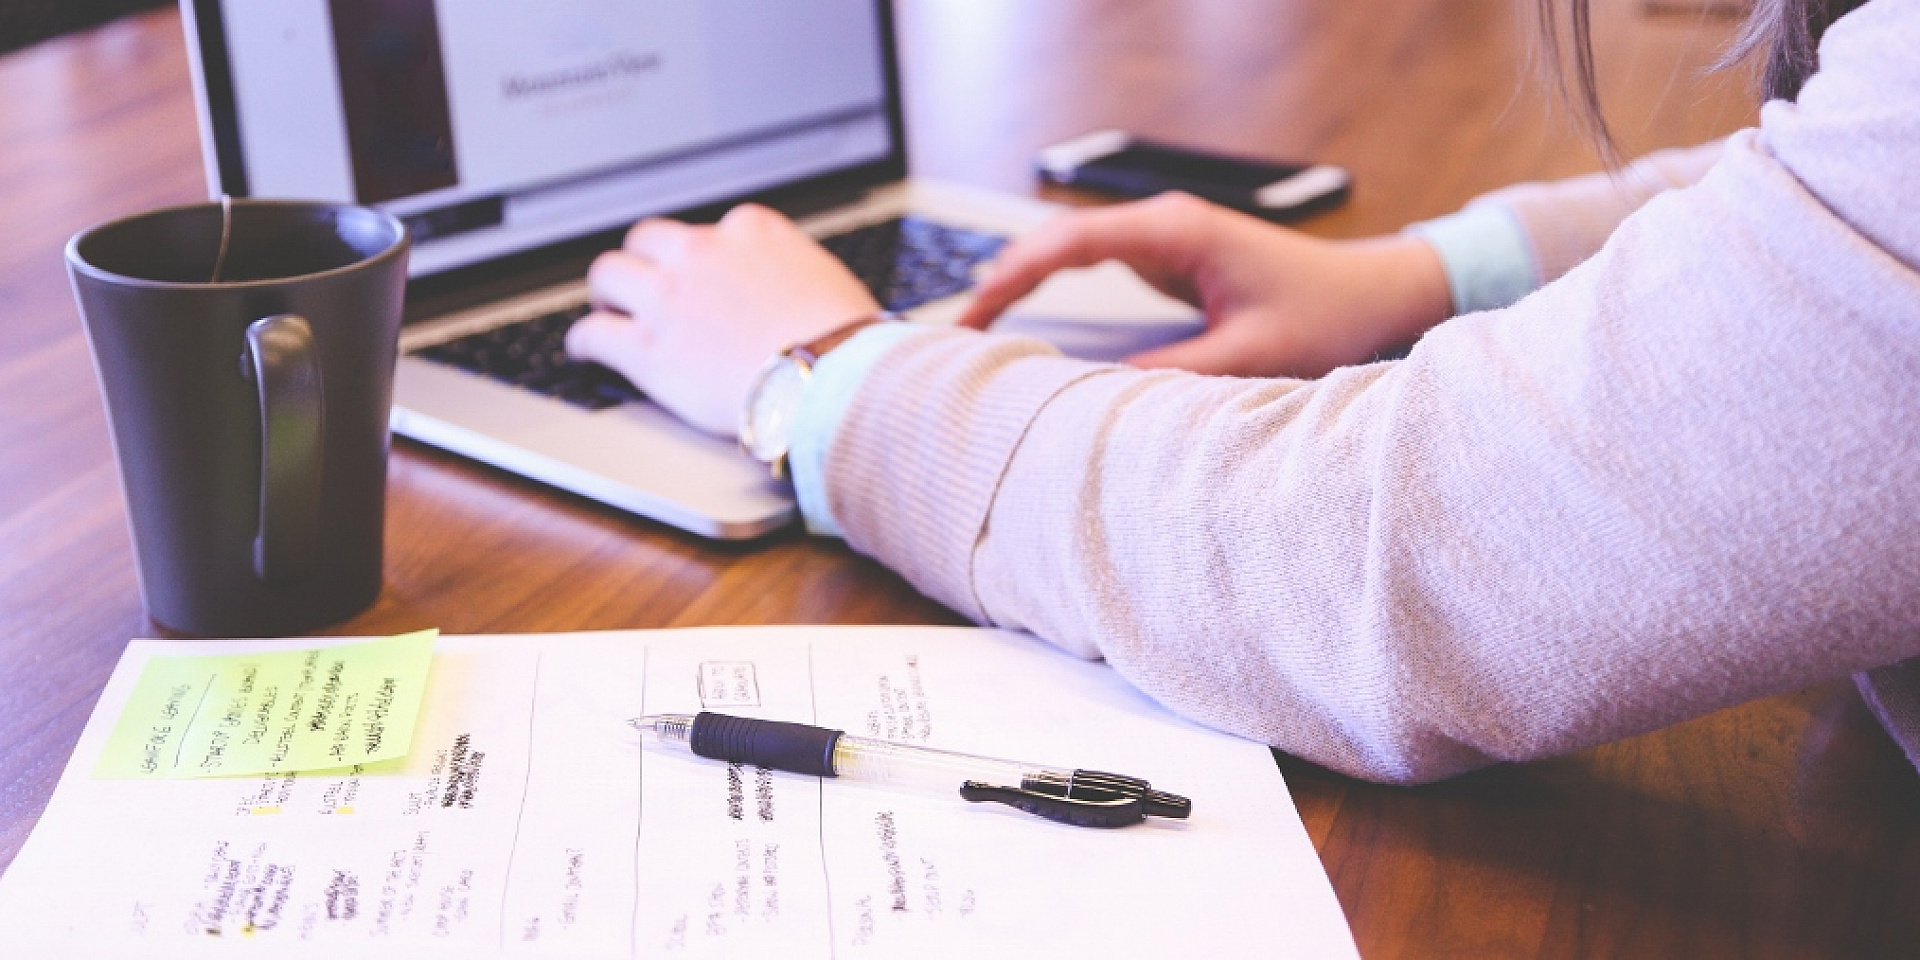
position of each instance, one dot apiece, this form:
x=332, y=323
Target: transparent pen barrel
x=936, y=771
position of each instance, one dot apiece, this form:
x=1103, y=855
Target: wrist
x=1412, y=295
x=1425, y=298
x=774, y=396
x=837, y=382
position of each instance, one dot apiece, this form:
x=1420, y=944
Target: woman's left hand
x=691, y=313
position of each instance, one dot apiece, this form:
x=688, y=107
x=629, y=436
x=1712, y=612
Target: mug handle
x=285, y=371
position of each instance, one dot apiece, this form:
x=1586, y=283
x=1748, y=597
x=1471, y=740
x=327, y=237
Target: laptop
x=517, y=140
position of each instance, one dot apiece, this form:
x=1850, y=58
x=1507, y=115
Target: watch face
x=771, y=411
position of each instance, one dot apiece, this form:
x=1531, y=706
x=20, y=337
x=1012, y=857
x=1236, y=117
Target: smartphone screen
x=1118, y=163
x=1170, y=164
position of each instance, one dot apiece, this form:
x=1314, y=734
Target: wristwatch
x=766, y=422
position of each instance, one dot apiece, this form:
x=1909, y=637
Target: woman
x=1678, y=475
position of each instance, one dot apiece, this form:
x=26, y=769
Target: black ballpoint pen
x=1083, y=798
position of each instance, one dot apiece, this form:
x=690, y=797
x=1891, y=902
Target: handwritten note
x=529, y=820
x=274, y=712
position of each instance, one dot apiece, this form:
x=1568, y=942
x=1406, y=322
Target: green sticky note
x=270, y=712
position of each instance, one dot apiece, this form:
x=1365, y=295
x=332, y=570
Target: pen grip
x=793, y=747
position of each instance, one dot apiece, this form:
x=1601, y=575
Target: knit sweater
x=1677, y=477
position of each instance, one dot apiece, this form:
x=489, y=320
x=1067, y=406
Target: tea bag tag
x=226, y=234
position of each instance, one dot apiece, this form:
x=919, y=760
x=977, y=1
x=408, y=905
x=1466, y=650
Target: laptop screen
x=493, y=127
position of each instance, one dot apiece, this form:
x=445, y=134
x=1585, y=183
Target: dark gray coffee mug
x=249, y=411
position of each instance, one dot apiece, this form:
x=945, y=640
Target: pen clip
x=1117, y=811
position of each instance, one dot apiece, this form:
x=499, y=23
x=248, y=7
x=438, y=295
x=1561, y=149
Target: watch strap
x=811, y=351
x=803, y=355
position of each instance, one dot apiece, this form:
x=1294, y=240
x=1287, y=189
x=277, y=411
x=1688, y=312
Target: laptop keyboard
x=533, y=354
x=905, y=262
x=909, y=261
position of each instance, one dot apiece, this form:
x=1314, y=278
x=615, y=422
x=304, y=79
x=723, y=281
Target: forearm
x=1567, y=221
x=1548, y=527
x=1506, y=244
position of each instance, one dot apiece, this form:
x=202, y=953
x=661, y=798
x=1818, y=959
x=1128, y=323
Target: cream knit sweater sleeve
x=1569, y=220
x=1681, y=476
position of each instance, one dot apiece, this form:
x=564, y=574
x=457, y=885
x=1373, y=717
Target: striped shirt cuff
x=835, y=382
x=1485, y=253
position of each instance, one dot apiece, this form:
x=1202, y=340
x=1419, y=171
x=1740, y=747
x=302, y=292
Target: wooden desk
x=1786, y=827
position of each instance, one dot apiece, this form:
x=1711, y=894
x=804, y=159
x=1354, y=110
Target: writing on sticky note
x=271, y=712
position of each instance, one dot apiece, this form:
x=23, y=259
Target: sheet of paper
x=270, y=711
x=530, y=821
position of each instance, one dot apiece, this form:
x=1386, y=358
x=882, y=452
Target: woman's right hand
x=1277, y=302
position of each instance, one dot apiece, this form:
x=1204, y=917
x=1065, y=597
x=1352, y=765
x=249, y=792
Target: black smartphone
x=1119, y=163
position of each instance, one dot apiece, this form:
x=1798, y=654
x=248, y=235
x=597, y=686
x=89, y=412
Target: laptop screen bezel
x=550, y=262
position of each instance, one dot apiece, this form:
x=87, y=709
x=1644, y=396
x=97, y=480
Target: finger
x=1215, y=352
x=753, y=216
x=1154, y=237
x=615, y=341
x=624, y=283
x=659, y=239
x=981, y=314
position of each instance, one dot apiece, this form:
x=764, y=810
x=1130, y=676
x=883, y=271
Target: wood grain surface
x=1787, y=827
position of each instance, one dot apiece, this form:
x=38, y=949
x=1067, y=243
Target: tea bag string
x=226, y=234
